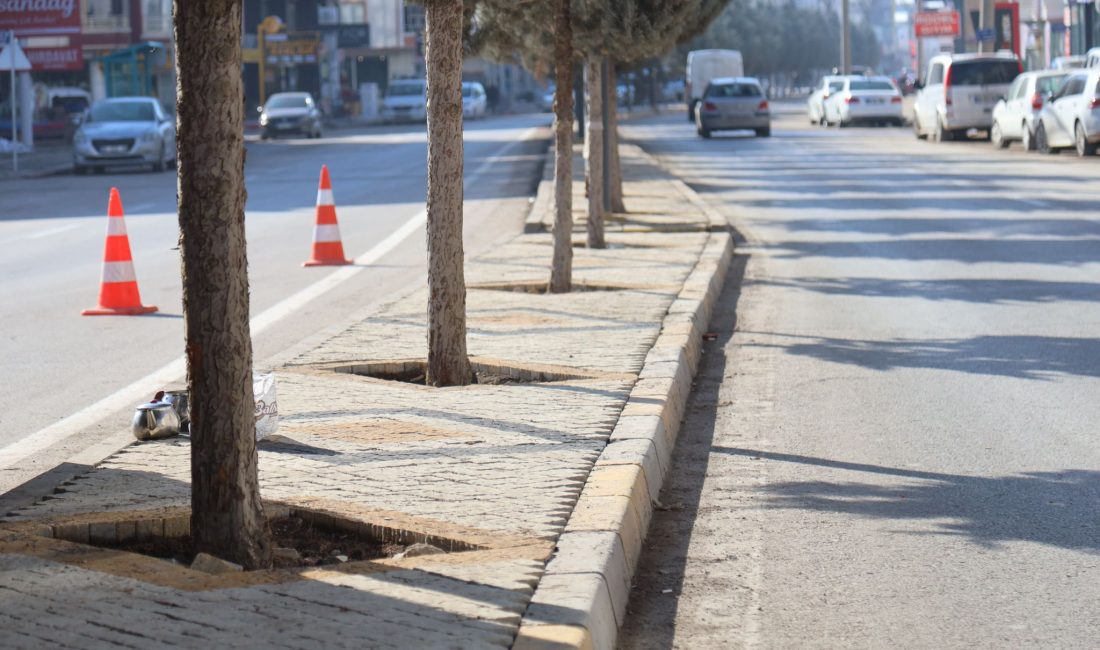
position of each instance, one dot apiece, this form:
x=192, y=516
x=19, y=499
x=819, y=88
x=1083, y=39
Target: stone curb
x=581, y=600
x=543, y=203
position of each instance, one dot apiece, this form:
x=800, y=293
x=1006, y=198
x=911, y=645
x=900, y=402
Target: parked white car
x=1071, y=117
x=871, y=100
x=959, y=92
x=474, y=103
x=1014, y=117
x=815, y=105
x=405, y=101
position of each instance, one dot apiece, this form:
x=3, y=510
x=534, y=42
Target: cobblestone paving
x=506, y=461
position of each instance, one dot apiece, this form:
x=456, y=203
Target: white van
x=405, y=101
x=959, y=92
x=705, y=65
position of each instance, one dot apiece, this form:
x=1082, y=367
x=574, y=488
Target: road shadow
x=961, y=289
x=651, y=611
x=1053, y=508
x=1021, y=357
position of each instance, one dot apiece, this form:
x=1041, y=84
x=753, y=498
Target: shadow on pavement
x=1054, y=508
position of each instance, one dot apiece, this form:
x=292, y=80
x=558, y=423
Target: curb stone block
x=621, y=481
x=578, y=553
x=552, y=637
x=614, y=514
x=650, y=428
x=571, y=601
x=641, y=452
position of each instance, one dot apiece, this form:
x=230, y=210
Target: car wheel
x=765, y=132
x=997, y=137
x=916, y=129
x=691, y=112
x=1027, y=139
x=703, y=133
x=1041, y=142
x=1081, y=140
x=941, y=134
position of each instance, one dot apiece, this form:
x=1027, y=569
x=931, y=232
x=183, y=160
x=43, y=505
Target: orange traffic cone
x=328, y=250
x=118, y=291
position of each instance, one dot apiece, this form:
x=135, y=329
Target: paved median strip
x=537, y=488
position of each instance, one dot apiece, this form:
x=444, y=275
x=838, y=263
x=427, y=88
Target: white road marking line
x=144, y=387
x=51, y=231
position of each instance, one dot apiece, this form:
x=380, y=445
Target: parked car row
x=1046, y=110
x=849, y=99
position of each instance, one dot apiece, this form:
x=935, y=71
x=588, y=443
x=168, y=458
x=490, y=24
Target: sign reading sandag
x=40, y=17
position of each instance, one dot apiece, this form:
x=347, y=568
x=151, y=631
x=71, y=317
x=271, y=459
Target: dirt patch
x=486, y=372
x=315, y=545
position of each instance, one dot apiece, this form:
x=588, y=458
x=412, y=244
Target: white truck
x=704, y=65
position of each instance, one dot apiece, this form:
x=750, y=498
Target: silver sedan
x=733, y=104
x=124, y=131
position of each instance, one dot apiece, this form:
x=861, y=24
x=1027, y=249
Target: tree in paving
x=227, y=516
x=448, y=362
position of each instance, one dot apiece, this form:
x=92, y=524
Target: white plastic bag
x=267, y=406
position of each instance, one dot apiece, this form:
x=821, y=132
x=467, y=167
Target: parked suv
x=959, y=92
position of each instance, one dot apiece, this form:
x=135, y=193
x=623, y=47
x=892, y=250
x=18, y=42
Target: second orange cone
x=118, y=290
x=328, y=249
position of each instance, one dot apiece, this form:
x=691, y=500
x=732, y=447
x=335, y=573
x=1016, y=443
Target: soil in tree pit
x=316, y=545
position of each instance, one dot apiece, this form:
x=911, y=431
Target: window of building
x=353, y=13
x=414, y=19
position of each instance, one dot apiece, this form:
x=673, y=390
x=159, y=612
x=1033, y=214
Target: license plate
x=876, y=101
x=985, y=99
x=282, y=126
x=115, y=148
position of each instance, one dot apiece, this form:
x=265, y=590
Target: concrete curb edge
x=580, y=602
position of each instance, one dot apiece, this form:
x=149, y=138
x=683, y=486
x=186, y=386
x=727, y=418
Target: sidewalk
x=539, y=488
x=48, y=158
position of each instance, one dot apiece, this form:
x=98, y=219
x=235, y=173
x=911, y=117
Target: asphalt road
x=70, y=380
x=893, y=440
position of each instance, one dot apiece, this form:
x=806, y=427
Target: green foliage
x=784, y=38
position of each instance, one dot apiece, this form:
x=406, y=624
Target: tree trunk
x=616, y=173
x=448, y=364
x=593, y=144
x=227, y=516
x=561, y=273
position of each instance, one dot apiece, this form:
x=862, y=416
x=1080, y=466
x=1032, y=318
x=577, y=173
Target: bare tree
x=227, y=516
x=593, y=143
x=561, y=272
x=448, y=363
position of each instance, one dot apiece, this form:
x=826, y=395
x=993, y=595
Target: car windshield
x=983, y=73
x=122, y=112
x=734, y=90
x=287, y=101
x=406, y=90
x=870, y=85
x=835, y=86
x=1047, y=85
x=467, y=91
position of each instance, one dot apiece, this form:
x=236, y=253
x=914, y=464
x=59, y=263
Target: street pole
x=845, y=38
x=14, y=110
x=985, y=19
x=263, y=72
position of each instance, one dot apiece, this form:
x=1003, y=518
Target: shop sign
x=290, y=48
x=353, y=36
x=55, y=58
x=936, y=23
x=40, y=17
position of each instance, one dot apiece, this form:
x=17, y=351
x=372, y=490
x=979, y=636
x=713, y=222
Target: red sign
x=932, y=23
x=40, y=17
x=55, y=58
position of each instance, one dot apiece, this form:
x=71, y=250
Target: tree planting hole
x=539, y=288
x=485, y=373
x=299, y=543
x=300, y=538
